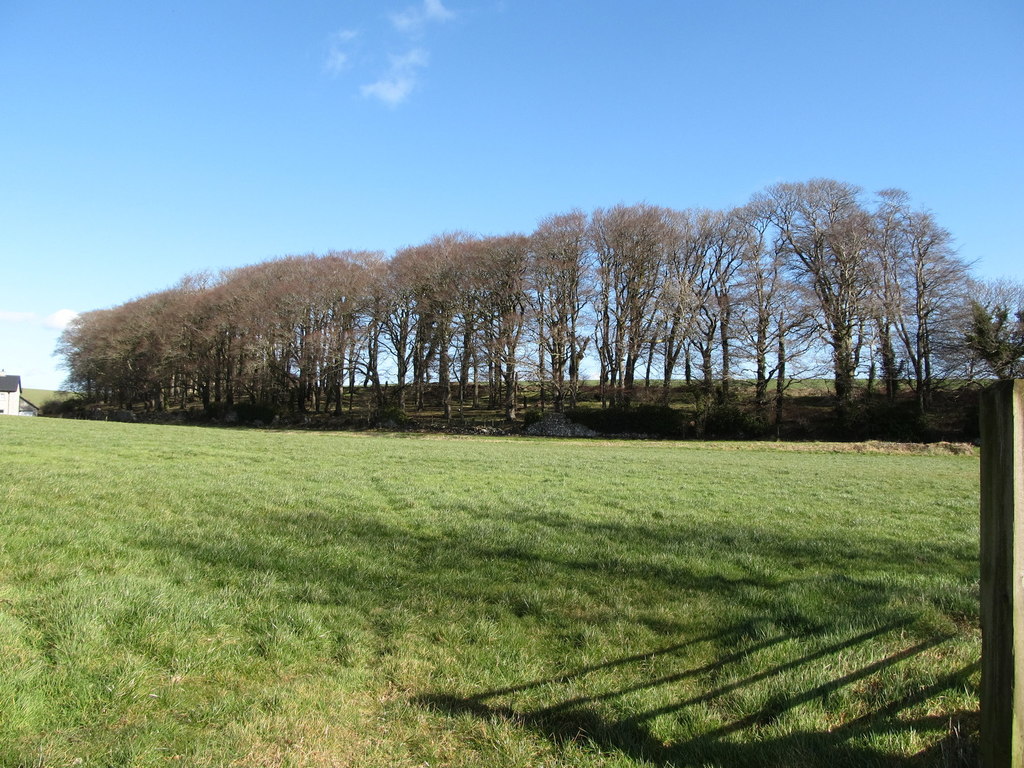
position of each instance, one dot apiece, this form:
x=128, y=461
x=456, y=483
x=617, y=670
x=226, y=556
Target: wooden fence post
x=1002, y=575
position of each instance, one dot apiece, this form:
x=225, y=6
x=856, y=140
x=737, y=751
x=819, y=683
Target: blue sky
x=140, y=142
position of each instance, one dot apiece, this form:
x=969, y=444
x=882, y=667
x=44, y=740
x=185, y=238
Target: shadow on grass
x=803, y=585
x=363, y=561
x=574, y=720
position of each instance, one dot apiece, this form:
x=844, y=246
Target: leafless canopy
x=636, y=296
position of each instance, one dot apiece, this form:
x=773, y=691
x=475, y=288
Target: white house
x=11, y=401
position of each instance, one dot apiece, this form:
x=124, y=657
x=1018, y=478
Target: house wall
x=9, y=402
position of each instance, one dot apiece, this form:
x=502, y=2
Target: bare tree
x=652, y=289
x=923, y=280
x=436, y=271
x=395, y=310
x=826, y=236
x=558, y=275
x=775, y=316
x=725, y=239
x=630, y=247
x=689, y=241
x=502, y=269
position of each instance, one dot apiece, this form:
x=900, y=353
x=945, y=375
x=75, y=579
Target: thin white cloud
x=401, y=79
x=338, y=56
x=394, y=85
x=57, y=321
x=406, y=21
x=413, y=18
x=337, y=61
x=435, y=10
x=17, y=317
x=391, y=90
x=412, y=60
x=60, y=319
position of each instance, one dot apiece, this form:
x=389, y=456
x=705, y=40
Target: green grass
x=202, y=597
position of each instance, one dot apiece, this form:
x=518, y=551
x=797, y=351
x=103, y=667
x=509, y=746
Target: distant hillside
x=41, y=397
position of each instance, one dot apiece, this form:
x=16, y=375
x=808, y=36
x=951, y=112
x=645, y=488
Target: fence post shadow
x=575, y=719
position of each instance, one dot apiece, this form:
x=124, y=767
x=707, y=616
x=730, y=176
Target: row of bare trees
x=806, y=276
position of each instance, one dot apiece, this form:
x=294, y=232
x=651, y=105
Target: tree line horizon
x=806, y=277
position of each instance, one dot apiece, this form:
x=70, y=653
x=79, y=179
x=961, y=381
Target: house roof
x=10, y=383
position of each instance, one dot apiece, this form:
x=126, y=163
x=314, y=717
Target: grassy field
x=203, y=597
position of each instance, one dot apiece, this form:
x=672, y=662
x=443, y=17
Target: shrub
x=730, y=420
x=249, y=413
x=880, y=420
x=531, y=416
x=656, y=420
x=73, y=406
x=392, y=415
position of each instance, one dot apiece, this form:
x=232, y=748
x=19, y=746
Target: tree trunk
x=780, y=385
